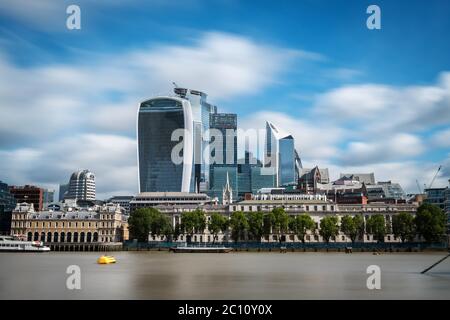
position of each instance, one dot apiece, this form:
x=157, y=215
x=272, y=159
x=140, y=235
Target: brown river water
x=249, y=275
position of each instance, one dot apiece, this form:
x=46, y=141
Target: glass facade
x=157, y=119
x=218, y=180
x=280, y=154
x=7, y=200
x=262, y=178
x=286, y=166
x=226, y=123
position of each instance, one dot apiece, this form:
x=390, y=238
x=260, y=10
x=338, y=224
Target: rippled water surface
x=164, y=275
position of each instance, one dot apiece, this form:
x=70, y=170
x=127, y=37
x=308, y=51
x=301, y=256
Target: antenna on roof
x=175, y=85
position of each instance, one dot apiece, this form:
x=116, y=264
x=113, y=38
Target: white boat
x=200, y=249
x=10, y=244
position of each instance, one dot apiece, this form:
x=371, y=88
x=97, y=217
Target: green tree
x=193, y=222
x=268, y=224
x=430, y=222
x=217, y=224
x=166, y=227
x=329, y=227
x=239, y=225
x=403, y=226
x=255, y=225
x=139, y=224
x=352, y=226
x=376, y=226
x=280, y=222
x=301, y=224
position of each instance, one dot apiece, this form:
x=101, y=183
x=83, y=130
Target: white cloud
x=400, y=145
x=311, y=139
x=383, y=109
x=441, y=138
x=58, y=118
x=112, y=158
x=61, y=97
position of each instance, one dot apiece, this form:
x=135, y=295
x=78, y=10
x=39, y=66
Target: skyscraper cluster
x=185, y=145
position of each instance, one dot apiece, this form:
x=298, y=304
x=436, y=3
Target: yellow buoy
x=106, y=260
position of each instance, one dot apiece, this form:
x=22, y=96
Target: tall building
x=7, y=205
x=81, y=186
x=281, y=155
x=29, y=194
x=7, y=199
x=63, y=191
x=226, y=124
x=49, y=196
x=158, y=120
x=436, y=196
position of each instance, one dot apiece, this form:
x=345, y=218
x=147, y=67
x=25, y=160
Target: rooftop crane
x=418, y=187
x=434, y=178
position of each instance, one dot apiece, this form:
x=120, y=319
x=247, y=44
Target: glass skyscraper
x=280, y=154
x=158, y=118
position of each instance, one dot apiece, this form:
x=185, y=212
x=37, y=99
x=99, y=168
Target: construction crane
x=418, y=186
x=434, y=178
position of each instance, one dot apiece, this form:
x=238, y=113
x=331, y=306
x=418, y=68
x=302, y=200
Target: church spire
x=227, y=194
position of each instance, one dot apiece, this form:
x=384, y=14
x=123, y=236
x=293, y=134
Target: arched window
x=42, y=236
x=82, y=237
x=95, y=236
x=36, y=236
x=49, y=237
x=63, y=237
x=29, y=236
x=55, y=237
x=69, y=236
x=89, y=237
x=75, y=237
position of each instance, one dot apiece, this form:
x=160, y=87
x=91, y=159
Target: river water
x=165, y=275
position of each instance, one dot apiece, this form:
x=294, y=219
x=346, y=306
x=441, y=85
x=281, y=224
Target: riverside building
x=70, y=227
x=317, y=206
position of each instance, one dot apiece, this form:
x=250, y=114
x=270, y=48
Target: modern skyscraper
x=63, y=191
x=281, y=155
x=159, y=141
x=81, y=186
x=29, y=194
x=7, y=199
x=226, y=124
x=49, y=196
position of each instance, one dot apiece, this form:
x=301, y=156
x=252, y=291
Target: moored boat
x=193, y=249
x=10, y=244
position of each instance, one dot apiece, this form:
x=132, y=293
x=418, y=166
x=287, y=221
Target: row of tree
x=429, y=222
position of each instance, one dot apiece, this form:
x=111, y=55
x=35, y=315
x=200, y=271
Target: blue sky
x=355, y=99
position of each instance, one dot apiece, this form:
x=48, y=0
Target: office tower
x=49, y=196
x=7, y=199
x=29, y=194
x=281, y=155
x=63, y=191
x=7, y=205
x=81, y=186
x=226, y=124
x=158, y=120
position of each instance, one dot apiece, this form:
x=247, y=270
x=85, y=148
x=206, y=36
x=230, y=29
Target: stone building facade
x=100, y=224
x=317, y=206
